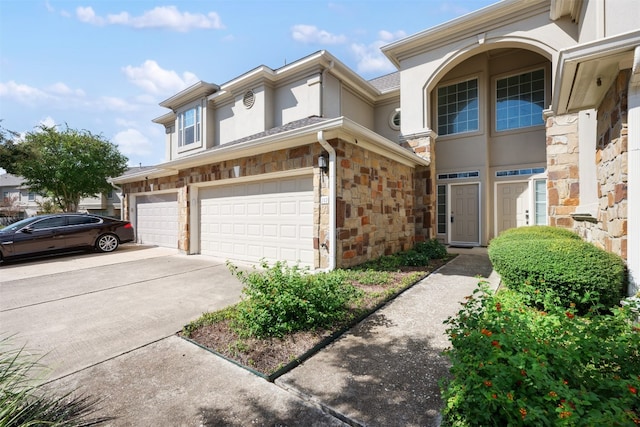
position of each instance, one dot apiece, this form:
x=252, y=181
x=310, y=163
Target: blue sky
x=104, y=65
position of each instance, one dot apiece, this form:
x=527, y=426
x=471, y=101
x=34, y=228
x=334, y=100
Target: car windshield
x=18, y=225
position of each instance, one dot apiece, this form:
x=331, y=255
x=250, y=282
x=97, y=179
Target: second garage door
x=251, y=221
x=157, y=220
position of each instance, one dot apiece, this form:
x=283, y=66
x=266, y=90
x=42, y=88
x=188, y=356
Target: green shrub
x=281, y=299
x=546, y=262
x=515, y=365
x=432, y=248
x=414, y=258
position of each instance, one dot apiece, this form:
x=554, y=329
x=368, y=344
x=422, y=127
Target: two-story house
x=517, y=114
x=19, y=201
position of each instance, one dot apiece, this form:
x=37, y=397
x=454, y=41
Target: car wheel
x=107, y=243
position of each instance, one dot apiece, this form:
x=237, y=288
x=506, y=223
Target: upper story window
x=458, y=108
x=520, y=101
x=394, y=119
x=189, y=125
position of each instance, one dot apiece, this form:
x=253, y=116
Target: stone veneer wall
x=375, y=205
x=376, y=209
x=611, y=157
x=276, y=161
x=563, y=186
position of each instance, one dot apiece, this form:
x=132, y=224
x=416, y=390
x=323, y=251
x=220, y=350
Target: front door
x=464, y=215
x=512, y=205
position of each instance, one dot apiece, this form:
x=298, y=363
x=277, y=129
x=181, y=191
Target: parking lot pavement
x=83, y=309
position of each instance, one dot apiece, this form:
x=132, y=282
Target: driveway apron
x=86, y=315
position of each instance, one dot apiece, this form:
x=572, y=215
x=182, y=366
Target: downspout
x=633, y=177
x=332, y=199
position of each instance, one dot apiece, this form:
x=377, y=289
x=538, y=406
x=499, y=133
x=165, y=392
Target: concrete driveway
x=106, y=324
x=80, y=310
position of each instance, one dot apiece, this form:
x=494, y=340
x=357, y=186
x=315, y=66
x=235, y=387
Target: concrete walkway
x=383, y=372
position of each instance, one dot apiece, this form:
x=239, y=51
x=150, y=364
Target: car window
x=57, y=221
x=82, y=220
x=18, y=225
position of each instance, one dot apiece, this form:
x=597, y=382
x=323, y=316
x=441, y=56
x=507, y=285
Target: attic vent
x=248, y=99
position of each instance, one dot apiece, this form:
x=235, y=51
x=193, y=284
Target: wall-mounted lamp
x=323, y=163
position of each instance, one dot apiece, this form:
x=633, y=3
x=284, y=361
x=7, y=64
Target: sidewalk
x=383, y=372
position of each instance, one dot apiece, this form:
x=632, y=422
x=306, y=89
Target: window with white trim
x=540, y=201
x=520, y=101
x=189, y=126
x=442, y=209
x=458, y=108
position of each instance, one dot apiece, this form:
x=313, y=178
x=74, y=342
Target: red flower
x=633, y=390
x=486, y=332
x=488, y=383
x=523, y=372
x=570, y=315
x=495, y=344
x=495, y=396
x=498, y=306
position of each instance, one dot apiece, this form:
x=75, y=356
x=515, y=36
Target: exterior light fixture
x=323, y=163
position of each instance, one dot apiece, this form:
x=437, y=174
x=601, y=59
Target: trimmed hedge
x=546, y=262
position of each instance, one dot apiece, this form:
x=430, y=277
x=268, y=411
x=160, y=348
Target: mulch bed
x=271, y=355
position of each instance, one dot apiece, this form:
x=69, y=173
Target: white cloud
x=370, y=58
x=48, y=122
x=156, y=80
x=166, y=17
x=312, y=34
x=60, y=88
x=112, y=103
x=86, y=14
x=22, y=93
x=132, y=142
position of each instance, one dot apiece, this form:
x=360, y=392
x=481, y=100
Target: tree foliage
x=65, y=165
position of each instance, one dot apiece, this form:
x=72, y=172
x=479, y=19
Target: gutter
x=332, y=199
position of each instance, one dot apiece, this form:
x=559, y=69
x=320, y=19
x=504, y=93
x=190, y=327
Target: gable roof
x=9, y=180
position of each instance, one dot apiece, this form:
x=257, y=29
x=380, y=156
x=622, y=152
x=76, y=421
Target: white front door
x=512, y=200
x=271, y=220
x=464, y=214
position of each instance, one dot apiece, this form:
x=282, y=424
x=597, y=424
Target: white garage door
x=248, y=222
x=157, y=220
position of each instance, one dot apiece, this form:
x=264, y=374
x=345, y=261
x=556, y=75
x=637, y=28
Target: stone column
x=563, y=185
x=423, y=145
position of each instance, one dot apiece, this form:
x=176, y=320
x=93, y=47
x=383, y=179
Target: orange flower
x=570, y=315
x=488, y=383
x=523, y=412
x=498, y=306
x=553, y=394
x=509, y=396
x=633, y=390
x=565, y=414
x=495, y=396
x=486, y=332
x=523, y=372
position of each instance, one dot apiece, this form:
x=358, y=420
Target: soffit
x=586, y=72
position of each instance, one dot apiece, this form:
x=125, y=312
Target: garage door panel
x=271, y=220
x=157, y=220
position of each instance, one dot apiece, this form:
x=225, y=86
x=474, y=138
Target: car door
x=40, y=236
x=81, y=230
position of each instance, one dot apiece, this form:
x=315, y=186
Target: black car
x=63, y=232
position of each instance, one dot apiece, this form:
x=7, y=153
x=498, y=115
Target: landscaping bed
x=272, y=352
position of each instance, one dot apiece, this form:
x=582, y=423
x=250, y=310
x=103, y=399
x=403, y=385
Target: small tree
x=64, y=165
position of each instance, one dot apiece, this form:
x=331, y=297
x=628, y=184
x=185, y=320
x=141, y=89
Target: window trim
x=198, y=127
x=392, y=122
x=494, y=98
x=475, y=76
